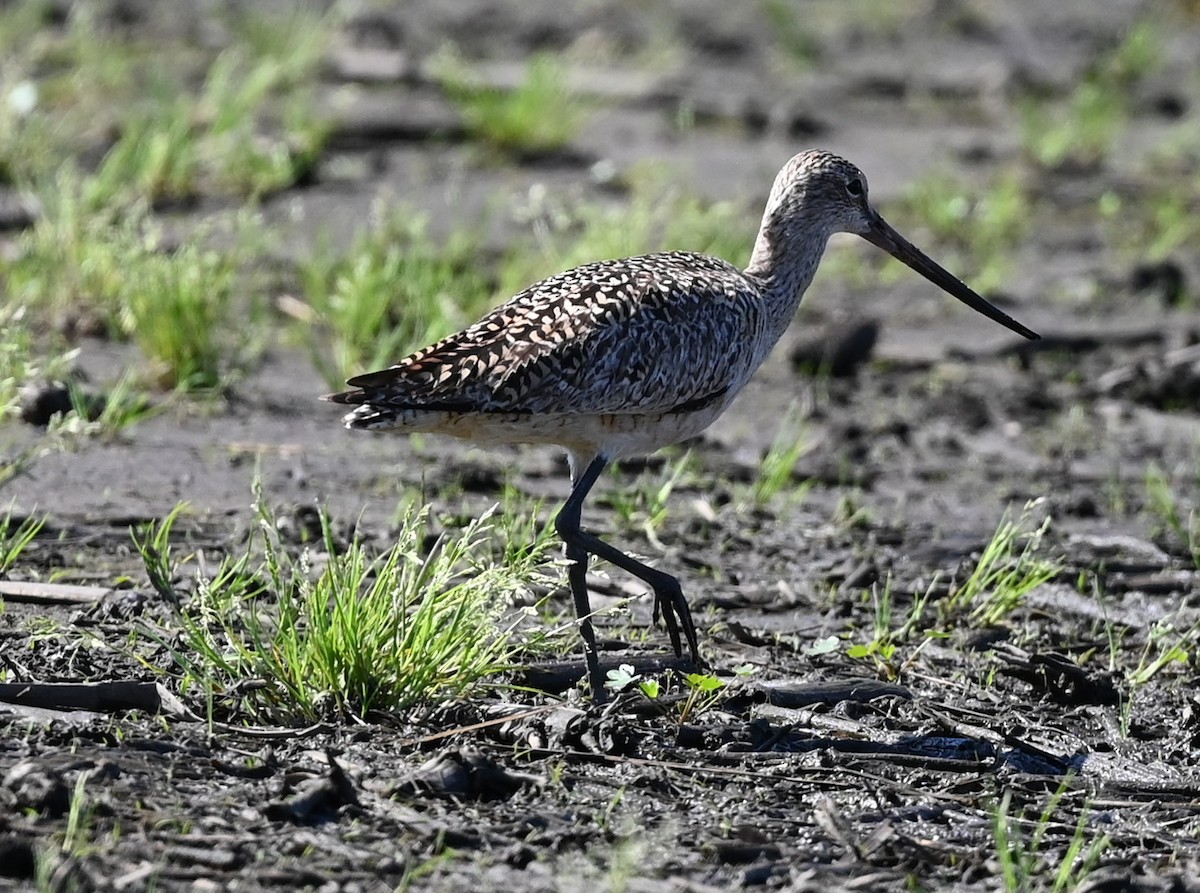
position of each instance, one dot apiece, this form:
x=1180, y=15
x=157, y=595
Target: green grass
x=250, y=131
x=975, y=229
x=1173, y=518
x=395, y=290
x=886, y=635
x=15, y=538
x=792, y=32
x=81, y=268
x=658, y=216
x=644, y=504
x=69, y=266
x=1165, y=644
x=777, y=469
x=22, y=359
x=1156, y=223
x=101, y=416
x=73, y=81
x=1083, y=132
x=252, y=127
x=1010, y=567
x=1021, y=856
x=177, y=307
x=539, y=116
x=337, y=632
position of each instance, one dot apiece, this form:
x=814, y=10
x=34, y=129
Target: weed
x=81, y=268
x=395, y=291
x=881, y=648
x=1083, y=135
x=851, y=513
x=221, y=140
x=526, y=534
x=624, y=676
x=68, y=266
x=1158, y=223
x=791, y=32
x=541, y=115
x=59, y=86
x=1008, y=569
x=339, y=633
x=103, y=418
x=252, y=128
x=703, y=688
x=703, y=692
x=78, y=833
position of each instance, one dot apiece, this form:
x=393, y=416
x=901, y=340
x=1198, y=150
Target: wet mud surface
x=814, y=769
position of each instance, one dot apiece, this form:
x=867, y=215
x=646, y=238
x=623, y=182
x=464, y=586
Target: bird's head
x=818, y=193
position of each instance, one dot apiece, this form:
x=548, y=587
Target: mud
x=817, y=770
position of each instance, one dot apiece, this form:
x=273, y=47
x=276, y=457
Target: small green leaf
x=704, y=682
x=827, y=645
x=621, y=677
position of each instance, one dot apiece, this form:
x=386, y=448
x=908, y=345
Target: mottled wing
x=642, y=334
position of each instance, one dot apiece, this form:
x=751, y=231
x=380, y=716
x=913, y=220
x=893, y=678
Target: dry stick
x=51, y=593
x=94, y=696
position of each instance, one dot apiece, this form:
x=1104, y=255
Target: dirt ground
x=819, y=771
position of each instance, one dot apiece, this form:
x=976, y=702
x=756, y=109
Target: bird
x=618, y=358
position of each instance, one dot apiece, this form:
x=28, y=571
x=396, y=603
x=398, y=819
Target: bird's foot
x=670, y=604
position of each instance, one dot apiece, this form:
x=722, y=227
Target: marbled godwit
x=621, y=357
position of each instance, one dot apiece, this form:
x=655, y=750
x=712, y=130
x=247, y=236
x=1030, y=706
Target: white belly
x=614, y=435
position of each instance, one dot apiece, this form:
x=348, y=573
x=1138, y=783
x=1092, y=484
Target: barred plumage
x=621, y=357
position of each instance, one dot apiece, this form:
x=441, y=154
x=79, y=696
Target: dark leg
x=668, y=596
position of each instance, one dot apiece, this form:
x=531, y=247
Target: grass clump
x=645, y=504
x=394, y=291
x=62, y=84
x=539, y=116
x=339, y=631
x=1009, y=568
x=176, y=306
x=68, y=268
x=1156, y=223
x=87, y=270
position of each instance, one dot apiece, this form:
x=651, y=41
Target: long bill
x=883, y=236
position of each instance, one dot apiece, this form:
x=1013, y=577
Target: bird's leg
x=668, y=596
x=567, y=524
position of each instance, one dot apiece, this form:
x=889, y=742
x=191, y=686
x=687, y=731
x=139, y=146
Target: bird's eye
x=855, y=186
